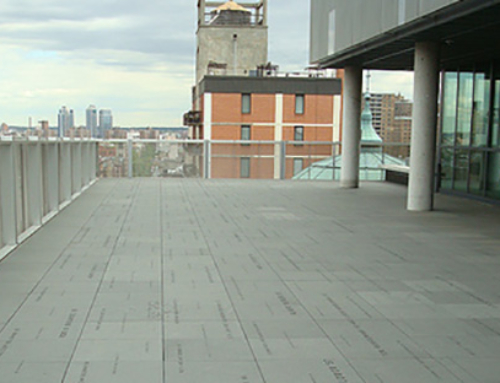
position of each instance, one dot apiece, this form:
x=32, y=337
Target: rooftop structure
x=230, y=36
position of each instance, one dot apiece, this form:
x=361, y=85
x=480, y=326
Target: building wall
x=339, y=24
x=227, y=119
x=216, y=43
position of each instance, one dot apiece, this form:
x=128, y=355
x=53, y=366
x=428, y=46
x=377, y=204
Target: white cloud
x=153, y=97
x=391, y=82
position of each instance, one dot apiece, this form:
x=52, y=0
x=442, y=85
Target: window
x=298, y=133
x=245, y=134
x=299, y=104
x=246, y=103
x=245, y=167
x=298, y=163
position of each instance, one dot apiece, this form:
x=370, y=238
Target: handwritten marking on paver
x=205, y=338
x=225, y=321
x=18, y=369
x=92, y=272
x=176, y=311
x=84, y=372
x=65, y=261
x=115, y=365
x=289, y=339
x=41, y=295
x=39, y=333
x=262, y=339
x=237, y=288
x=357, y=326
x=153, y=310
x=102, y=314
x=286, y=303
x=209, y=275
x=68, y=323
x=335, y=370
x=8, y=342
x=180, y=358
x=124, y=321
x=255, y=261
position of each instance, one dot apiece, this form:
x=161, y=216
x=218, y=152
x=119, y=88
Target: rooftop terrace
x=185, y=280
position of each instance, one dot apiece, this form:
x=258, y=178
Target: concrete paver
x=186, y=281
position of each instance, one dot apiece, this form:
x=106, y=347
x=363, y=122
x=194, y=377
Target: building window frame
x=300, y=103
x=298, y=134
x=244, y=167
x=246, y=134
x=246, y=103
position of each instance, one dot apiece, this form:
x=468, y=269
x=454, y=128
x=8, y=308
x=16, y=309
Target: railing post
x=65, y=171
x=207, y=159
x=130, y=158
x=72, y=146
x=8, y=219
x=283, y=159
x=34, y=185
x=95, y=160
x=79, y=168
x=85, y=164
x=50, y=177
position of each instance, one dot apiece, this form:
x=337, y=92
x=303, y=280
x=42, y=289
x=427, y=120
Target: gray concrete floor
x=181, y=281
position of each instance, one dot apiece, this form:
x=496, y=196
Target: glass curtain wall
x=470, y=131
x=493, y=161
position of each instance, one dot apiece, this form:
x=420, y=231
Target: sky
x=135, y=57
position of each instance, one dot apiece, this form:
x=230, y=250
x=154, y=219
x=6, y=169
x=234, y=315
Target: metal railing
x=38, y=178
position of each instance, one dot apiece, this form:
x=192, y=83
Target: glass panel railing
x=240, y=159
x=244, y=159
x=312, y=160
x=169, y=159
x=113, y=159
x=151, y=158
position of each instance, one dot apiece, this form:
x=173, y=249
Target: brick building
x=288, y=109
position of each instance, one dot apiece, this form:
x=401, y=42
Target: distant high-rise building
x=392, y=118
x=65, y=120
x=105, y=121
x=91, y=120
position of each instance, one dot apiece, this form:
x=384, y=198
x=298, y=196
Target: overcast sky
x=135, y=57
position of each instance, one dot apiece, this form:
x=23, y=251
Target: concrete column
x=351, y=135
x=423, y=135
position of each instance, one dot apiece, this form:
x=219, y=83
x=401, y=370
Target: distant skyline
x=135, y=58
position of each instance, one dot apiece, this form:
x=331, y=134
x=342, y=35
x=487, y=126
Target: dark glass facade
x=470, y=131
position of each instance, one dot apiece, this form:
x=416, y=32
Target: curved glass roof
x=371, y=158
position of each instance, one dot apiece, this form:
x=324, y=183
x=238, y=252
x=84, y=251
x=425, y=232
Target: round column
x=424, y=123
x=351, y=127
